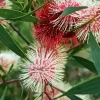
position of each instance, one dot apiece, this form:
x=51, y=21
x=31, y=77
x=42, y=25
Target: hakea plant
x=89, y=20
x=46, y=66
x=7, y=59
x=52, y=29
x=42, y=68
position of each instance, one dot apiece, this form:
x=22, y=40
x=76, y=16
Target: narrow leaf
x=26, y=15
x=91, y=86
x=86, y=63
x=70, y=10
x=73, y=97
x=95, y=50
x=41, y=1
x=10, y=69
x=14, y=15
x=28, y=6
x=22, y=91
x=26, y=19
x=10, y=43
x=76, y=50
x=2, y=69
x=4, y=93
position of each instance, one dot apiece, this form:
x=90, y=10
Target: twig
x=3, y=80
x=47, y=95
x=28, y=94
x=10, y=81
x=18, y=32
x=74, y=47
x=45, y=88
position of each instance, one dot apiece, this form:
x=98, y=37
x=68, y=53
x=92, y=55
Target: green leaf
x=73, y=97
x=22, y=91
x=25, y=19
x=86, y=63
x=4, y=93
x=91, y=86
x=2, y=69
x=26, y=15
x=70, y=10
x=76, y=50
x=41, y=1
x=10, y=43
x=95, y=50
x=27, y=8
x=14, y=15
x=10, y=69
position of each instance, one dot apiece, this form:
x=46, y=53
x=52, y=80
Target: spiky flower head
x=64, y=23
x=58, y=6
x=7, y=59
x=46, y=66
x=89, y=19
x=5, y=4
x=88, y=2
x=48, y=33
x=44, y=30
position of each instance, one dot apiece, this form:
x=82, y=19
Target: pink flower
x=64, y=23
x=90, y=15
x=88, y=2
x=5, y=4
x=46, y=66
x=46, y=32
x=6, y=60
x=1, y=3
